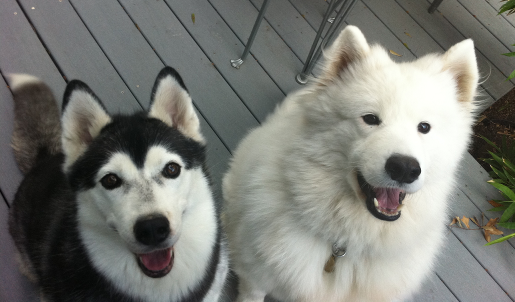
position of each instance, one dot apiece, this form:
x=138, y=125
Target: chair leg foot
x=301, y=78
x=236, y=63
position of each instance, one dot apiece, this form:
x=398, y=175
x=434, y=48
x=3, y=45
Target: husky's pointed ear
x=83, y=118
x=349, y=46
x=172, y=104
x=460, y=60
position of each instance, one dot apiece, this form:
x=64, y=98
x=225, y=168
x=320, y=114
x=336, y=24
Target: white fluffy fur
x=291, y=191
x=17, y=80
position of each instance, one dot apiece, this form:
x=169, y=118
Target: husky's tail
x=37, y=124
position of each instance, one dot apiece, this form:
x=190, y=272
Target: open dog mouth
x=156, y=264
x=383, y=203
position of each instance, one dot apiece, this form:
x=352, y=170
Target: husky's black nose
x=152, y=230
x=404, y=169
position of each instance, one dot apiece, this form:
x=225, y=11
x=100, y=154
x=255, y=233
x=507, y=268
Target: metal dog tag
x=331, y=262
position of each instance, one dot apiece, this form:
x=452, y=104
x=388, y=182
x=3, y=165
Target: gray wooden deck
x=118, y=47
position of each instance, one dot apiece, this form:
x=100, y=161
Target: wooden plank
x=464, y=276
x=403, y=26
x=496, y=4
x=446, y=35
x=269, y=49
x=203, y=81
x=11, y=176
x=498, y=260
x=433, y=289
x=77, y=53
x=138, y=65
x=13, y=286
x=473, y=182
x=493, y=22
x=289, y=24
x=123, y=45
x=20, y=49
x=487, y=44
x=360, y=16
x=219, y=45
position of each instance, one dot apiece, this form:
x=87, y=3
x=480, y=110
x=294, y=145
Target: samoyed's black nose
x=152, y=230
x=404, y=169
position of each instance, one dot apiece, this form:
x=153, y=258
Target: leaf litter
x=489, y=228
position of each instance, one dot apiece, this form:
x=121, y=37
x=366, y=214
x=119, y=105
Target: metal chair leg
x=342, y=14
x=237, y=63
x=434, y=6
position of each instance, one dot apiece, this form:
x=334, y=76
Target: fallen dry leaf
x=193, y=18
x=494, y=204
x=454, y=220
x=459, y=222
x=465, y=220
x=474, y=220
x=394, y=53
x=480, y=119
x=407, y=34
x=491, y=229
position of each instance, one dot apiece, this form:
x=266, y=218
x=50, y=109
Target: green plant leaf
x=500, y=174
x=496, y=158
x=490, y=143
x=504, y=189
x=511, y=76
x=498, y=209
x=508, y=6
x=496, y=180
x=501, y=239
x=508, y=213
x=509, y=54
x=507, y=225
x=510, y=178
x=504, y=201
x=489, y=161
x=508, y=163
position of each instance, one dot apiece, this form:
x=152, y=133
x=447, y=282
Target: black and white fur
x=100, y=196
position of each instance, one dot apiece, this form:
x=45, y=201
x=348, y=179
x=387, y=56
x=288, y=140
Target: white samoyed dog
x=342, y=194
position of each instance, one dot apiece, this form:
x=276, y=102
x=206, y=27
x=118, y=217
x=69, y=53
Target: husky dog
x=341, y=195
x=116, y=208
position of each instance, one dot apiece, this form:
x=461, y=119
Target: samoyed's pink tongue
x=388, y=198
x=156, y=261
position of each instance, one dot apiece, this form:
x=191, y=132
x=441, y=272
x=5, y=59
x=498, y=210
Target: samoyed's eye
x=171, y=170
x=424, y=128
x=371, y=119
x=111, y=181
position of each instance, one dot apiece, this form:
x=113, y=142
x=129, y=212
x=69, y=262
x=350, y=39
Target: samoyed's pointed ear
x=460, y=60
x=350, y=46
x=172, y=104
x=83, y=118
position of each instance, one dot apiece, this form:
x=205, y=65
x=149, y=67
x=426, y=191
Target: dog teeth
x=376, y=203
x=400, y=207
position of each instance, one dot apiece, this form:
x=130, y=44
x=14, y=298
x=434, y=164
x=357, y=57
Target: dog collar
x=338, y=252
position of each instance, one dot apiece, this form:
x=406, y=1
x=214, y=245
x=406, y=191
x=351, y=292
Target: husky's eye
x=371, y=119
x=424, y=128
x=111, y=181
x=171, y=170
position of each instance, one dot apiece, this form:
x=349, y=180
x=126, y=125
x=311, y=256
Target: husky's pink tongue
x=388, y=198
x=156, y=261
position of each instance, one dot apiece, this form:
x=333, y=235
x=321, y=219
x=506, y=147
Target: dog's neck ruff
x=337, y=252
